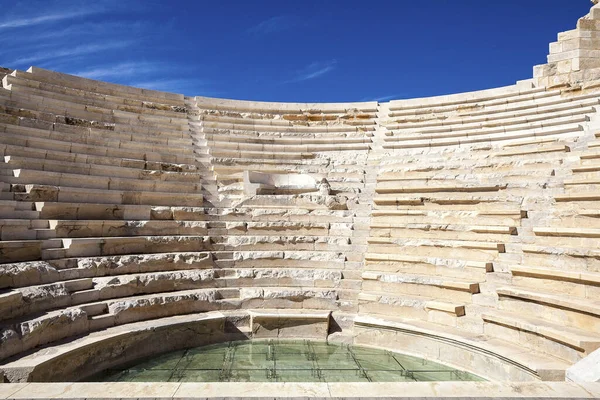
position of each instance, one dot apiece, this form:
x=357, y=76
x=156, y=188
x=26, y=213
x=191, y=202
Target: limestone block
x=258, y=255
x=129, y=285
x=27, y=274
x=127, y=264
x=284, y=324
x=15, y=251
x=43, y=330
x=147, y=307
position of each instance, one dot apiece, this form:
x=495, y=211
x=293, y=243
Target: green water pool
x=284, y=361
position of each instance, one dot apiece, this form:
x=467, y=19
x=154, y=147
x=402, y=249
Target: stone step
x=106, y=246
x=494, y=120
x=31, y=274
x=575, y=106
x=69, y=194
x=536, y=102
x=469, y=173
x=375, y=258
x=20, y=250
x=392, y=228
x=389, y=187
x=503, y=136
x=13, y=229
x=471, y=105
x=409, y=217
x=579, y=342
x=90, y=211
x=30, y=138
x=258, y=155
x=576, y=252
x=581, y=196
x=48, y=327
x=100, y=182
x=397, y=281
x=217, y=146
x=292, y=120
x=27, y=215
x=23, y=154
x=283, y=140
x=60, y=79
x=558, y=308
x=108, y=228
x=25, y=112
x=431, y=243
x=578, y=277
x=48, y=90
x=378, y=303
x=523, y=127
x=537, y=150
x=236, y=106
x=43, y=137
x=473, y=199
x=499, y=95
x=17, y=162
x=567, y=232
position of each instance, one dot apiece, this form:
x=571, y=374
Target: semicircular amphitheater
x=463, y=229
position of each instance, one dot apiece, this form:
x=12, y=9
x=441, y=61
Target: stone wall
x=575, y=57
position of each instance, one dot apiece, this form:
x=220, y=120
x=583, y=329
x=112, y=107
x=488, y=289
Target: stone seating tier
x=90, y=85
x=19, y=82
x=464, y=223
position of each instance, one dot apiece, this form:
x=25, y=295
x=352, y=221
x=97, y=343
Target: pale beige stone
x=466, y=223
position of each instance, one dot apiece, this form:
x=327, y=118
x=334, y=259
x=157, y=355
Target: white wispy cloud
x=42, y=18
x=154, y=75
x=315, y=70
x=188, y=86
x=123, y=49
x=271, y=25
x=48, y=55
x=125, y=69
x=55, y=34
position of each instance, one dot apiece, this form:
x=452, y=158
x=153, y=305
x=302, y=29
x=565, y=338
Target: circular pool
x=284, y=361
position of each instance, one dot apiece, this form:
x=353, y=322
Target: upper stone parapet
x=575, y=57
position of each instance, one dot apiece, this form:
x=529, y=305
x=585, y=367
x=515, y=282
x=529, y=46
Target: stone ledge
x=289, y=323
x=284, y=390
x=449, y=345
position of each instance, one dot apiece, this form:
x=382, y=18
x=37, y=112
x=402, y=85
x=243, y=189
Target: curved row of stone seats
x=14, y=109
x=256, y=260
x=461, y=219
x=81, y=109
x=44, y=76
x=305, y=272
x=283, y=138
x=486, y=117
x=116, y=175
x=71, y=140
x=531, y=311
x=548, y=300
x=24, y=83
x=90, y=304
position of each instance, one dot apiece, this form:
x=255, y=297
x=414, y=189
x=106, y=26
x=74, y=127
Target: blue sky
x=321, y=50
